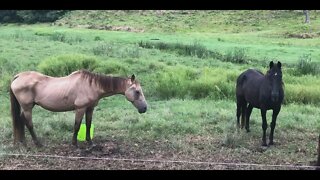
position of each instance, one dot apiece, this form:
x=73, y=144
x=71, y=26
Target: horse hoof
x=248, y=130
x=75, y=145
x=264, y=144
x=271, y=143
x=39, y=145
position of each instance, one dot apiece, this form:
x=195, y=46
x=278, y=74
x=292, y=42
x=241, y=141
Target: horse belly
x=55, y=103
x=56, y=107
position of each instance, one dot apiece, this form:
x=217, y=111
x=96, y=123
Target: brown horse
x=80, y=91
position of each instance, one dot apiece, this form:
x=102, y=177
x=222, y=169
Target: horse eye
x=137, y=92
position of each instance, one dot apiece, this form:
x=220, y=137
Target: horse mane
x=108, y=83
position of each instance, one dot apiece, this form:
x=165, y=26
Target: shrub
x=63, y=65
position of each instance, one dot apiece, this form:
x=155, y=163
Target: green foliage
x=305, y=66
x=7, y=16
x=58, y=36
x=182, y=82
x=194, y=50
x=63, y=65
x=30, y=16
x=7, y=70
x=237, y=55
x=33, y=16
x=112, y=68
x=114, y=50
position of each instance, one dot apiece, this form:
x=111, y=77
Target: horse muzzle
x=142, y=110
x=275, y=97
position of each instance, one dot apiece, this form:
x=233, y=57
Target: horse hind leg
x=27, y=117
x=243, y=114
x=248, y=113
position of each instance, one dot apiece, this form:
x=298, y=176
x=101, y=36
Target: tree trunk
x=306, y=13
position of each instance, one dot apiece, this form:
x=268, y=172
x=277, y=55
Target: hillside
x=211, y=21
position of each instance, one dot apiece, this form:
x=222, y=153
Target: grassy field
x=187, y=64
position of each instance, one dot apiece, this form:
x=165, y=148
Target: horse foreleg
x=27, y=115
x=273, y=125
x=78, y=118
x=264, y=126
x=89, y=113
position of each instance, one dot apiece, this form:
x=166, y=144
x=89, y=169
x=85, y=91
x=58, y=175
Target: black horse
x=264, y=92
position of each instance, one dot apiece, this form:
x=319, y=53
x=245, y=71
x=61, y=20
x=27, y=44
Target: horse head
x=274, y=76
x=135, y=95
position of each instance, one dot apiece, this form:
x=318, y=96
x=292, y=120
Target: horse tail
x=240, y=97
x=243, y=115
x=18, y=124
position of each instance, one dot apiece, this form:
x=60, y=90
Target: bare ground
x=114, y=154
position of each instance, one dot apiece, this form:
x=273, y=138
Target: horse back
x=27, y=79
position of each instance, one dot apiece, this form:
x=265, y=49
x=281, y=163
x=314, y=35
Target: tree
x=306, y=13
x=30, y=16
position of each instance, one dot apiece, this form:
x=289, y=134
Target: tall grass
x=196, y=49
x=306, y=66
x=185, y=82
x=65, y=64
x=235, y=55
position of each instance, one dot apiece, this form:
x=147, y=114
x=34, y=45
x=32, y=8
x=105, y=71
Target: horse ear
x=279, y=64
x=271, y=64
x=133, y=77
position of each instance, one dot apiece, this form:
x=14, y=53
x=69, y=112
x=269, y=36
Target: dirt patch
x=114, y=154
x=302, y=35
x=111, y=28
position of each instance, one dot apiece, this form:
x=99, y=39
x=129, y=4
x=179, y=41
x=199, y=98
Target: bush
x=33, y=16
x=65, y=64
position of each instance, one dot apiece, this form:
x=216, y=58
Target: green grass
x=191, y=96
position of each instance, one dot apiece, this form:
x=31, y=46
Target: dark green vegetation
x=187, y=63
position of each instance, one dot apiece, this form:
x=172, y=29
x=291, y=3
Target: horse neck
x=113, y=85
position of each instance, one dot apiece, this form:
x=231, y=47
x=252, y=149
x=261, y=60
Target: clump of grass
x=97, y=38
x=114, y=50
x=306, y=66
x=63, y=65
x=58, y=36
x=195, y=50
x=237, y=55
x=183, y=82
x=231, y=135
